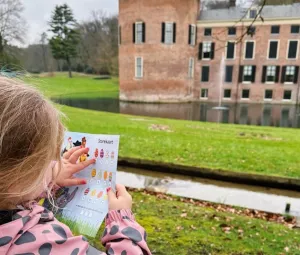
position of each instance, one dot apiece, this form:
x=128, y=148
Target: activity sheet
x=84, y=207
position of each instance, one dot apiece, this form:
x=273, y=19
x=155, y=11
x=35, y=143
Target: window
x=273, y=49
x=292, y=50
x=295, y=29
x=290, y=74
x=230, y=50
x=227, y=93
x=204, y=93
x=247, y=74
x=287, y=95
x=139, y=32
x=120, y=35
x=168, y=33
x=192, y=34
x=232, y=31
x=139, y=67
x=228, y=73
x=249, y=50
x=207, y=51
x=207, y=31
x=205, y=74
x=268, y=94
x=271, y=74
x=191, y=68
x=252, y=13
x=245, y=94
x=275, y=29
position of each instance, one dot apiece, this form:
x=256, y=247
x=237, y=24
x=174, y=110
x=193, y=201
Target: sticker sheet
x=84, y=207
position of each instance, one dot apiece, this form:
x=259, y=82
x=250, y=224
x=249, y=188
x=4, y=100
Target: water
x=259, y=198
x=246, y=114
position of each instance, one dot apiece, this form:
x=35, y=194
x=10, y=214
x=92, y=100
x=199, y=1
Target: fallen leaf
x=183, y=215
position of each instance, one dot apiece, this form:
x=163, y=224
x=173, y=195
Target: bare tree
x=12, y=24
x=44, y=48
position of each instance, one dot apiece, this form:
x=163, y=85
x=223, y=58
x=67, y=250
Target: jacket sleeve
x=123, y=235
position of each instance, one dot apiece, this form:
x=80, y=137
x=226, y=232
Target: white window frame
x=271, y=82
x=234, y=52
x=254, y=49
x=227, y=98
x=287, y=100
x=191, y=68
x=136, y=32
x=253, y=9
x=268, y=99
x=142, y=68
x=209, y=51
x=278, y=47
x=169, y=23
x=247, y=82
x=210, y=32
x=209, y=73
x=288, y=48
x=290, y=82
x=272, y=34
x=245, y=99
x=193, y=35
x=205, y=93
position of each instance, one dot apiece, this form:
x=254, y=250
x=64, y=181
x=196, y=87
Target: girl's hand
x=70, y=167
x=121, y=200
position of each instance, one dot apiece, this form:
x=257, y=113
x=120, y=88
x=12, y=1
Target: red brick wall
x=165, y=66
x=257, y=89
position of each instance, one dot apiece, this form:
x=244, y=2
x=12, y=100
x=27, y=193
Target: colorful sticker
x=100, y=174
x=94, y=172
x=86, y=191
x=100, y=194
x=105, y=175
x=96, y=153
x=107, y=154
x=93, y=193
x=101, y=153
x=112, y=155
x=110, y=176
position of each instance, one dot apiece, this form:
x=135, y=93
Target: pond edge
x=215, y=174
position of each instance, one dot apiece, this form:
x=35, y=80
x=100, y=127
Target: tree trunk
x=69, y=67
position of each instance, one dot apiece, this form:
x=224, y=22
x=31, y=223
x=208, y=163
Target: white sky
x=38, y=12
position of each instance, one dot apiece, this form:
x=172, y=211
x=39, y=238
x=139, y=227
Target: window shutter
x=190, y=35
x=253, y=73
x=241, y=73
x=163, y=29
x=120, y=35
x=277, y=74
x=144, y=32
x=296, y=74
x=133, y=32
x=212, y=53
x=196, y=35
x=174, y=32
x=200, y=51
x=283, y=74
x=264, y=72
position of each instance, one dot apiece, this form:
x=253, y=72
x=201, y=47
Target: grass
x=174, y=227
x=251, y=149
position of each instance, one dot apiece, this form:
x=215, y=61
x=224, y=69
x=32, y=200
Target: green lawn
x=251, y=149
x=174, y=227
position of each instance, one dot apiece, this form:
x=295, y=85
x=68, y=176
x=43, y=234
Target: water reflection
x=259, y=198
x=245, y=114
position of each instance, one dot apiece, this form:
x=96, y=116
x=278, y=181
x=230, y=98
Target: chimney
x=232, y=3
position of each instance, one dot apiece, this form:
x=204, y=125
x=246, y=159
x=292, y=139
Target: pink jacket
x=37, y=232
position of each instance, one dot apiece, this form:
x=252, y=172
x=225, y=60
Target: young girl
x=31, y=135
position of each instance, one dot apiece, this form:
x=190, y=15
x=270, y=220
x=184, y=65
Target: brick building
x=170, y=51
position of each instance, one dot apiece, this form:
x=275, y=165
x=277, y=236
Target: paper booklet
x=84, y=207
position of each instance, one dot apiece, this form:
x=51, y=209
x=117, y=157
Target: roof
x=236, y=13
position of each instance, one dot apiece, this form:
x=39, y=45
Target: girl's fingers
x=121, y=190
x=68, y=154
x=77, y=153
x=74, y=182
x=80, y=166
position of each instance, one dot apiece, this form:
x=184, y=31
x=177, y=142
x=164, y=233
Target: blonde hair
x=31, y=135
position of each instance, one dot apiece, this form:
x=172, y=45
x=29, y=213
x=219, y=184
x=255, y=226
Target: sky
x=37, y=13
